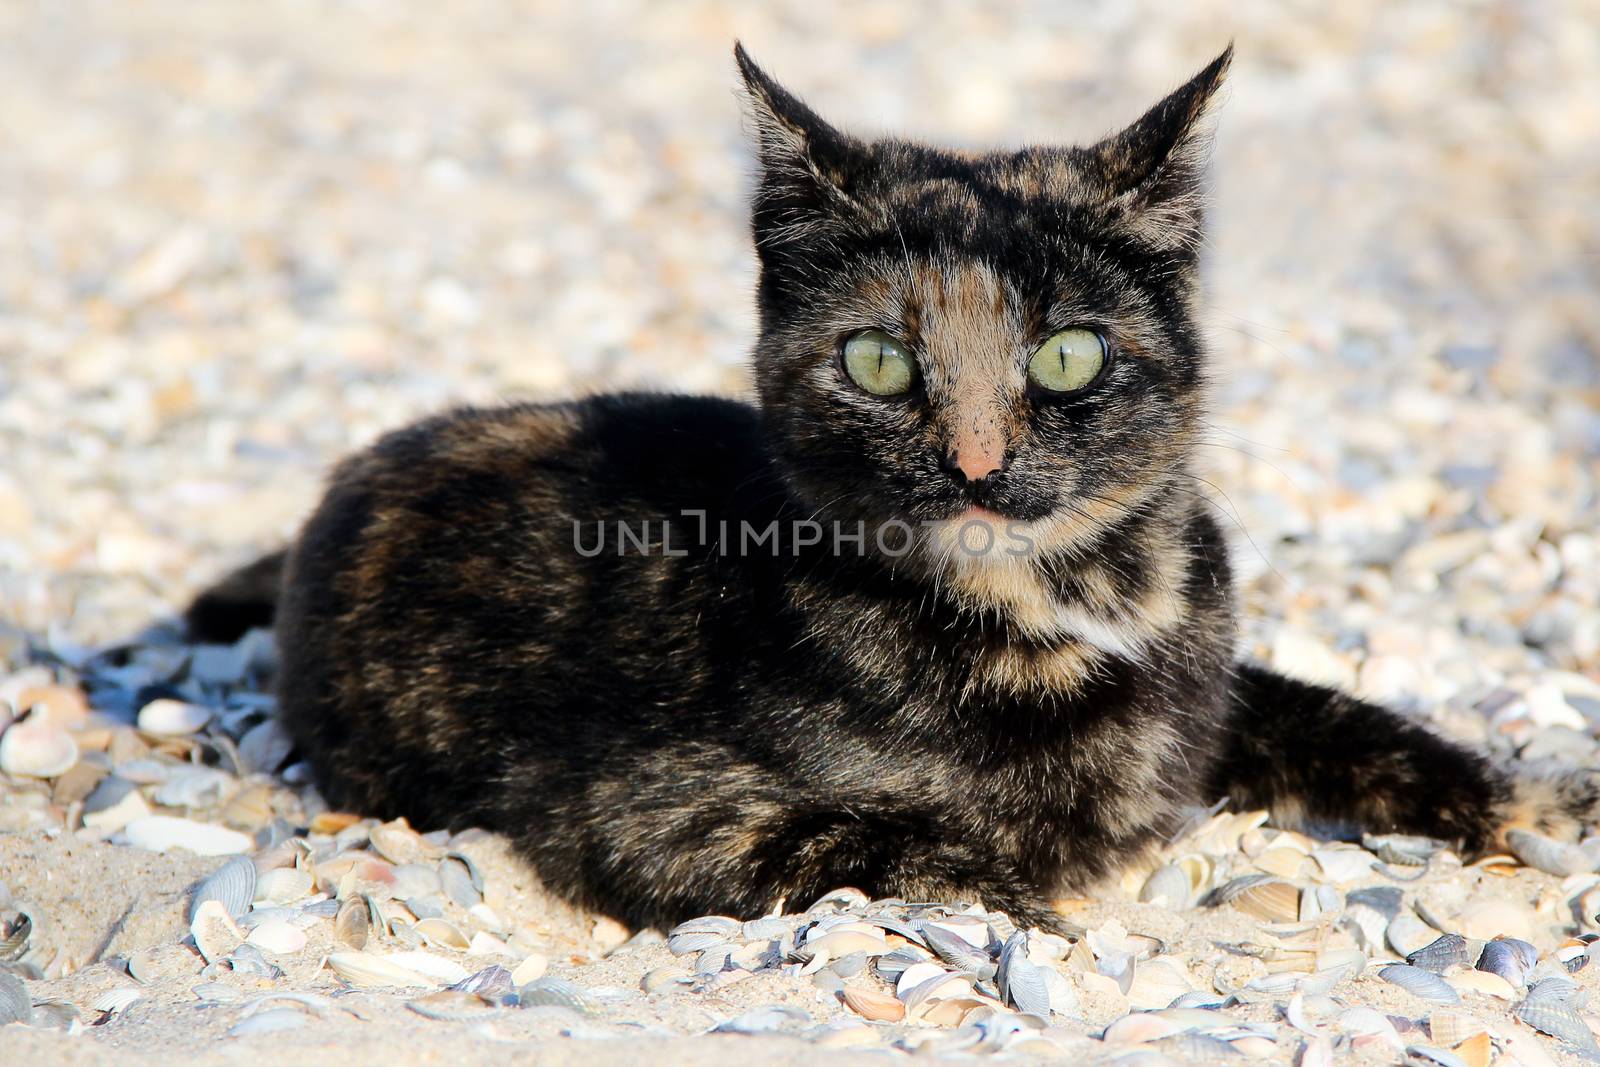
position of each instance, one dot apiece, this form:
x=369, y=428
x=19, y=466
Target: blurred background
x=241, y=239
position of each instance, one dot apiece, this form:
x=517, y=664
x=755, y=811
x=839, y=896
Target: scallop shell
x=369, y=970
x=1559, y=1021
x=214, y=931
x=1167, y=887
x=1420, y=983
x=1450, y=1028
x=958, y=952
x=16, y=1006
x=233, y=885
x=765, y=929
x=284, y=885
x=165, y=717
x=398, y=843
x=720, y=925
x=1510, y=958
x=116, y=999
x=870, y=1004
x=554, y=992
x=1444, y=952
x=352, y=925
x=693, y=941
x=1552, y=857
x=1159, y=982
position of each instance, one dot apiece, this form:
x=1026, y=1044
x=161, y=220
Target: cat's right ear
x=806, y=164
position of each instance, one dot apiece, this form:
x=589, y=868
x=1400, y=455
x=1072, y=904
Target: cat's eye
x=1068, y=361
x=879, y=364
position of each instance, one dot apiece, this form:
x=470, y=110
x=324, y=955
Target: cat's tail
x=242, y=601
x=1314, y=755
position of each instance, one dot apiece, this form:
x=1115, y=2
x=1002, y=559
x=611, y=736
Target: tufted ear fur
x=808, y=168
x=1154, y=169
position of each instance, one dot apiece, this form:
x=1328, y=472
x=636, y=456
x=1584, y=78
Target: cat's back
x=448, y=584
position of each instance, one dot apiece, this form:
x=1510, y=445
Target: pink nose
x=976, y=464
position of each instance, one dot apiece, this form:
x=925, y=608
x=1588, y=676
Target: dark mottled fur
x=666, y=736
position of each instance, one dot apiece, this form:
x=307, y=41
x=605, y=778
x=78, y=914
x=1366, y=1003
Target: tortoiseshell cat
x=999, y=665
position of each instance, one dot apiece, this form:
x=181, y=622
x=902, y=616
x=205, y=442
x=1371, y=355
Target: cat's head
x=1011, y=331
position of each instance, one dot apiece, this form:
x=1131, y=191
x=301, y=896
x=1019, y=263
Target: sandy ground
x=246, y=238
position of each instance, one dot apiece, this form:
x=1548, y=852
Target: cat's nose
x=974, y=464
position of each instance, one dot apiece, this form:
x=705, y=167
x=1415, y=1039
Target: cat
x=940, y=617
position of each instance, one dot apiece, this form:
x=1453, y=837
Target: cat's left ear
x=807, y=166
x=1155, y=169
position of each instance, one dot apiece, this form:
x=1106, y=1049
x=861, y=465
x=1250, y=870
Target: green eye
x=878, y=363
x=1068, y=361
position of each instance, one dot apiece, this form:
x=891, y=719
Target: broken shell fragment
x=870, y=1004
x=233, y=885
x=214, y=931
x=1548, y=855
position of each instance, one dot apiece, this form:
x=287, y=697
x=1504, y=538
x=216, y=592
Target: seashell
x=765, y=929
x=1558, y=989
x=415, y=880
x=1167, y=887
x=1260, y=895
x=214, y=931
x=937, y=987
x=1406, y=933
x=663, y=978
x=16, y=1005
x=265, y=747
x=1254, y=1046
x=1019, y=979
x=458, y=881
x=1496, y=918
x=1573, y=955
x=845, y=966
x=1367, y=1022
x=1342, y=865
x=233, y=885
x=1425, y=1054
x=1476, y=1051
x=398, y=843
x=271, y=1021
x=491, y=981
x=452, y=1006
x=693, y=941
x=1283, y=862
x=842, y=899
x=483, y=944
x=1141, y=1027
x=430, y=966
x=116, y=999
x=1316, y=1052
x=974, y=932
x=1158, y=983
x=284, y=885
x=352, y=924
x=1560, y=1022
x=1444, y=952
x=1483, y=982
x=870, y=1004
x=1420, y=983
x=843, y=941
x=1402, y=850
x=1510, y=958
x=37, y=747
x=443, y=934
x=1550, y=856
x=550, y=992
x=1450, y=1028
x=278, y=937
x=166, y=717
x=370, y=971
x=165, y=833
x=529, y=969
x=958, y=952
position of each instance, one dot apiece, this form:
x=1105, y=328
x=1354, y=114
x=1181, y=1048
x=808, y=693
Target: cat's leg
x=1309, y=753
